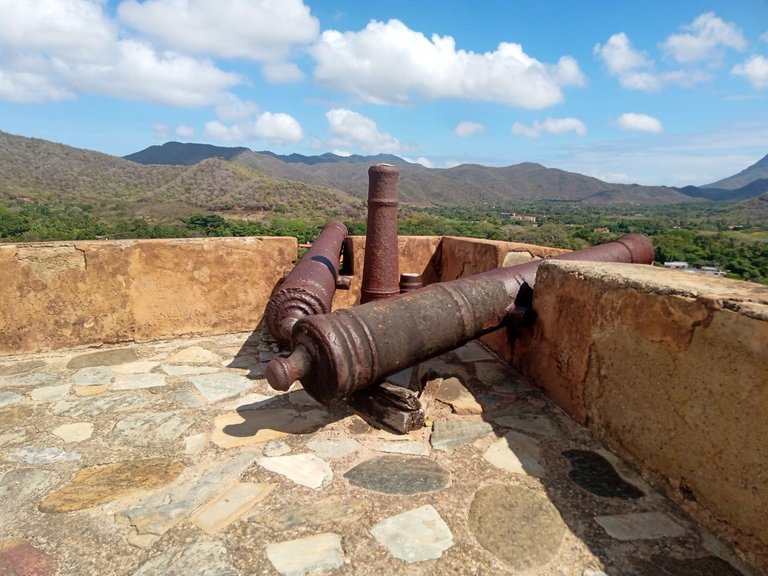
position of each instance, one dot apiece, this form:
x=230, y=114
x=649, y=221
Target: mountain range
x=467, y=184
x=177, y=179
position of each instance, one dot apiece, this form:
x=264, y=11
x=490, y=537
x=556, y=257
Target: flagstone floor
x=176, y=458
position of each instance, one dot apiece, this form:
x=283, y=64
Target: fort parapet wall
x=667, y=368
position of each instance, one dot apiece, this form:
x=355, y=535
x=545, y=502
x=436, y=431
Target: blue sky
x=672, y=92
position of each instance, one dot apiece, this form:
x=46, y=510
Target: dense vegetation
x=695, y=233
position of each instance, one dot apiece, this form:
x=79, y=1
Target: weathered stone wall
x=67, y=294
x=671, y=370
x=416, y=254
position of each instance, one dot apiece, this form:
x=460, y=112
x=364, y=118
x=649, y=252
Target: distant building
x=708, y=270
x=601, y=230
x=519, y=217
x=677, y=265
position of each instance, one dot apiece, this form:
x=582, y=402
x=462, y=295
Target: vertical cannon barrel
x=309, y=287
x=380, y=272
x=337, y=354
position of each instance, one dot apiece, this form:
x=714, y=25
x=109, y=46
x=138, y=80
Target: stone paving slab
x=176, y=458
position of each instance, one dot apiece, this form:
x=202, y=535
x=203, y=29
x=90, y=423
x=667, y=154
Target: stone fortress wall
x=669, y=370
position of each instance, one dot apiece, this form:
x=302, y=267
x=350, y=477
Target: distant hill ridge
x=177, y=179
x=757, y=171
x=467, y=184
x=34, y=170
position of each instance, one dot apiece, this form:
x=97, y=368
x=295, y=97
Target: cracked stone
x=49, y=393
x=416, y=535
x=303, y=469
x=312, y=554
x=30, y=380
x=276, y=448
x=450, y=434
x=100, y=484
x=156, y=514
x=215, y=387
x=95, y=376
x=9, y=399
x=38, y=455
x=453, y=392
x=516, y=453
x=230, y=506
x=76, y=432
x=151, y=428
x=138, y=381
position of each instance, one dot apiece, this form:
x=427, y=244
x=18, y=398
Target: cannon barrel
x=337, y=354
x=380, y=272
x=309, y=287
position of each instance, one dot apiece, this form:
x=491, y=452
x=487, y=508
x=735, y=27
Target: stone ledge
x=670, y=370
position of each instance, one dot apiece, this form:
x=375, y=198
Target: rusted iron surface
x=410, y=281
x=337, y=354
x=309, y=287
x=380, y=271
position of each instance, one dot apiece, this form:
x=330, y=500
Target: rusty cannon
x=309, y=288
x=335, y=355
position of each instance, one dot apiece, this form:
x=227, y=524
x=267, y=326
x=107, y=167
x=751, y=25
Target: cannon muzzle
x=309, y=287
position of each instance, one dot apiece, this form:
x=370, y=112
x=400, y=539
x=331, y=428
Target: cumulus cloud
x=467, y=129
x=704, y=39
x=636, y=70
x=620, y=57
x=353, y=130
x=57, y=49
x=550, y=126
x=274, y=127
x=230, y=108
x=639, y=123
x=73, y=30
x=261, y=30
x=390, y=63
x=754, y=69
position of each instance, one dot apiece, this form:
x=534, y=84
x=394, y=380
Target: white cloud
x=636, y=71
x=639, y=123
x=271, y=126
x=754, y=69
x=262, y=30
x=57, y=49
x=230, y=108
x=426, y=162
x=467, y=129
x=389, y=63
x=140, y=73
x=277, y=127
x=620, y=57
x=354, y=130
x=71, y=29
x=704, y=39
x=550, y=126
